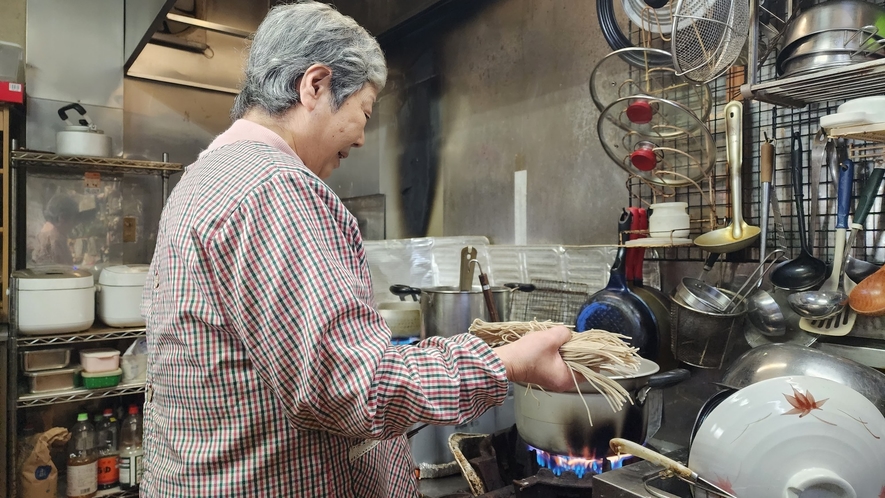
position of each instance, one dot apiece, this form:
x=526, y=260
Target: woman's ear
x=315, y=82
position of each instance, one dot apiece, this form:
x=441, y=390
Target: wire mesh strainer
x=708, y=36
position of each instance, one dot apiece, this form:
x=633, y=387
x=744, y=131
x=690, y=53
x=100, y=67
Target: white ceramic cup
x=669, y=219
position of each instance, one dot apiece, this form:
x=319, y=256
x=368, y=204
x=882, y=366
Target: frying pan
x=657, y=301
x=617, y=309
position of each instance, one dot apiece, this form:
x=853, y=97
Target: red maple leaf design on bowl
x=882, y=494
x=803, y=404
x=725, y=484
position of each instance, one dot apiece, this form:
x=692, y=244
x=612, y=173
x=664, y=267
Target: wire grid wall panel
x=778, y=123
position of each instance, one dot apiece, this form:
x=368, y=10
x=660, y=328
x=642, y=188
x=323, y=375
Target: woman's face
x=334, y=133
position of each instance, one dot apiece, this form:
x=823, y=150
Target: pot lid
x=683, y=147
x=53, y=278
x=124, y=275
x=613, y=79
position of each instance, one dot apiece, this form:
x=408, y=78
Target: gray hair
x=294, y=37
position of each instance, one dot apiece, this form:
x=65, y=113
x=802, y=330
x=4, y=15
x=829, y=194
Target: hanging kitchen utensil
x=609, y=82
x=465, y=281
x=793, y=334
x=487, y=293
x=765, y=174
x=657, y=301
x=616, y=309
x=738, y=234
x=864, y=204
x=819, y=159
x=624, y=447
x=806, y=271
x=815, y=307
x=708, y=36
x=649, y=137
x=652, y=16
x=616, y=39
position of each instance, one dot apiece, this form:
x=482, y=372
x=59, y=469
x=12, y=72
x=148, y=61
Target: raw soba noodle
x=587, y=353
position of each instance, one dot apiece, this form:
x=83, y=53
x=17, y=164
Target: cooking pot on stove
x=558, y=423
x=448, y=311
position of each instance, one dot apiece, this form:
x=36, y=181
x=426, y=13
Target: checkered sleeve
x=297, y=288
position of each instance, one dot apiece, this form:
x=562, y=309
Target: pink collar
x=245, y=130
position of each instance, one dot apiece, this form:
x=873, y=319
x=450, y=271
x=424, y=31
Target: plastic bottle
x=108, y=454
x=82, y=460
x=130, y=450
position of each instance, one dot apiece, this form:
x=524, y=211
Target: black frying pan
x=617, y=309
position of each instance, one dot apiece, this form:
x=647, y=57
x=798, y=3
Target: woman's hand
x=535, y=359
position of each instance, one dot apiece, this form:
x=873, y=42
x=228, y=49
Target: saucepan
x=558, y=422
x=448, y=311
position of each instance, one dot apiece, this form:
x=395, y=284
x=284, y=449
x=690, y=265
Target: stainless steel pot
x=448, y=311
x=780, y=360
x=557, y=422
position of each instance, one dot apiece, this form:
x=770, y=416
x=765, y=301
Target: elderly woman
x=270, y=373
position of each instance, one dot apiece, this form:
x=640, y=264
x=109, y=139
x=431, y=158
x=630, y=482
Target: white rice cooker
x=119, y=295
x=83, y=138
x=54, y=300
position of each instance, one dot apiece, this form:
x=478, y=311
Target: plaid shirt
x=268, y=362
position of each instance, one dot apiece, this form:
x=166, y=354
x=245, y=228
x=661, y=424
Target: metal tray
x=45, y=359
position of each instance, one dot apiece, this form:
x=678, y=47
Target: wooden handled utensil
x=623, y=446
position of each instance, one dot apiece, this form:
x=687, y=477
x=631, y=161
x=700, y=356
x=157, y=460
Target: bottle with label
x=82, y=460
x=108, y=454
x=130, y=450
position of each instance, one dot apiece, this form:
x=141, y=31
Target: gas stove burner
x=581, y=467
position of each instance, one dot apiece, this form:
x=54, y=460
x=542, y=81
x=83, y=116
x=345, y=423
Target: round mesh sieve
x=708, y=36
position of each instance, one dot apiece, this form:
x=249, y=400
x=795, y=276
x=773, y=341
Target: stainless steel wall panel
x=75, y=51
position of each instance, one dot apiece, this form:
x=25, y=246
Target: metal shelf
x=78, y=394
x=91, y=335
x=847, y=82
x=866, y=133
x=33, y=158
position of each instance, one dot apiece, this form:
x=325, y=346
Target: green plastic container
x=100, y=380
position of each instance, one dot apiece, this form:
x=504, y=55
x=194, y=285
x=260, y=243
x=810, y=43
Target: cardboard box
x=12, y=92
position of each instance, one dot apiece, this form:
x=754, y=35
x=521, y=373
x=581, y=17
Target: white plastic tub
x=100, y=360
x=119, y=295
x=54, y=301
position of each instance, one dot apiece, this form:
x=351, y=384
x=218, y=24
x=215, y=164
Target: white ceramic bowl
x=669, y=219
x=792, y=437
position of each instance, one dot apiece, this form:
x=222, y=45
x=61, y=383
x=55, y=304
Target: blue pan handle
x=846, y=179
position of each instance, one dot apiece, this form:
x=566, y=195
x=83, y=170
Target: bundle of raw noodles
x=589, y=354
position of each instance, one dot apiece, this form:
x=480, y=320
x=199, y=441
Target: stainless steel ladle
x=831, y=299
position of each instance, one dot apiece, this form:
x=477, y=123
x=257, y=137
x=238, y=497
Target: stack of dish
x=832, y=34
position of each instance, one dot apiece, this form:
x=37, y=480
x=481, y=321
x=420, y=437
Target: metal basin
x=780, y=360
x=834, y=15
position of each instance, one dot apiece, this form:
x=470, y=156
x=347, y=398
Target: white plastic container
x=119, y=295
x=669, y=219
x=54, y=300
x=100, y=360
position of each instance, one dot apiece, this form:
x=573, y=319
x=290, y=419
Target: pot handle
x=668, y=378
x=404, y=290
x=520, y=287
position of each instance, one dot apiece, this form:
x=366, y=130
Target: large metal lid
x=658, y=140
x=613, y=79
x=53, y=278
